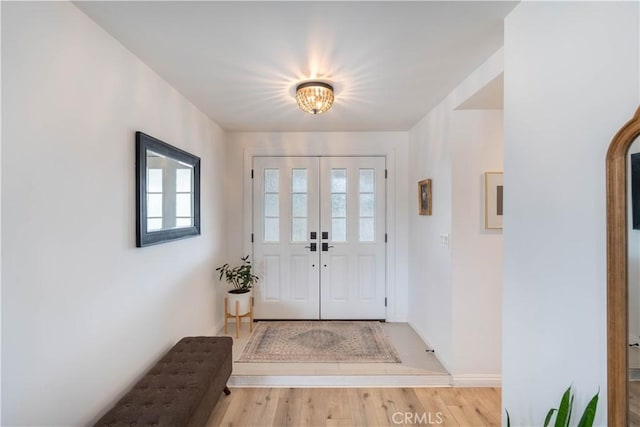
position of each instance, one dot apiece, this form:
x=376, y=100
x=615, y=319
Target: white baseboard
x=343, y=381
x=477, y=380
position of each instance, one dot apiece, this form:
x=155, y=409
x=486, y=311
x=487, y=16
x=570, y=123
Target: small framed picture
x=493, y=200
x=424, y=197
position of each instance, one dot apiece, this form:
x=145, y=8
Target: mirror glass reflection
x=170, y=188
x=633, y=280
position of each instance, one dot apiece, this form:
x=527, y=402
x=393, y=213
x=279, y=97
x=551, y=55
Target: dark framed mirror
x=167, y=192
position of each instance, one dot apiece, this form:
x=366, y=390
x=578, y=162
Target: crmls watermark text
x=416, y=418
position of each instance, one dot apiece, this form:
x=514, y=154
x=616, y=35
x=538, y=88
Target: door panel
x=342, y=201
x=352, y=280
x=284, y=215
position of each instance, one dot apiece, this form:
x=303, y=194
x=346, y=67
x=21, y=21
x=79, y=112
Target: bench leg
x=227, y=391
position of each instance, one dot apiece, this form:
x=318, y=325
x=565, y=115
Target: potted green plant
x=242, y=279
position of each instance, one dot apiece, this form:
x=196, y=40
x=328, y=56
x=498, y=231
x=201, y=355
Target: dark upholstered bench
x=180, y=390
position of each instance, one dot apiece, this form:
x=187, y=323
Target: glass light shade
x=314, y=97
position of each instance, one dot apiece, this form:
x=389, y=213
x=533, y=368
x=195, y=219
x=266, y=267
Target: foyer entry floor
x=419, y=368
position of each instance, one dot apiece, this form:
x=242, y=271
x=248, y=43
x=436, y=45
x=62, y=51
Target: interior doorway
x=319, y=237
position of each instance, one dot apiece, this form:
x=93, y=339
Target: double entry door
x=319, y=237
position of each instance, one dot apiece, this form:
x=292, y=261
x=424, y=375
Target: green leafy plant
x=240, y=277
x=563, y=412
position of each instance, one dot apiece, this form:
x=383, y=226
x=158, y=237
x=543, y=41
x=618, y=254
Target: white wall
x=84, y=312
x=571, y=81
x=454, y=291
x=430, y=281
x=476, y=147
x=242, y=145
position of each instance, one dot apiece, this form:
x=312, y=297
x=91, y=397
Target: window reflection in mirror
x=169, y=193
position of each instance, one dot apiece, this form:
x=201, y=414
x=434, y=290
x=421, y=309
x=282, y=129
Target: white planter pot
x=244, y=305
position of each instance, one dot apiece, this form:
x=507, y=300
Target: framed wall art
x=493, y=200
x=424, y=197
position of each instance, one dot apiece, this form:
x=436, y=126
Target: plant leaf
x=570, y=411
x=589, y=412
x=547, y=419
x=563, y=411
x=508, y=418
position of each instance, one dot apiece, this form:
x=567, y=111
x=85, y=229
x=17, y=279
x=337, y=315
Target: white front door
x=352, y=284
x=319, y=237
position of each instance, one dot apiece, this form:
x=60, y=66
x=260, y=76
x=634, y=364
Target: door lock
x=312, y=247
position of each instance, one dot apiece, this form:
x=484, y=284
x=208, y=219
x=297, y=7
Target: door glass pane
x=299, y=181
x=367, y=180
x=338, y=205
x=271, y=180
x=271, y=205
x=338, y=180
x=298, y=205
x=367, y=205
x=339, y=229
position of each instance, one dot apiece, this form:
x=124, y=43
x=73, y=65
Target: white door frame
x=247, y=202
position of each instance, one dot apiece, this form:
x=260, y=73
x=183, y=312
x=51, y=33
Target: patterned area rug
x=319, y=342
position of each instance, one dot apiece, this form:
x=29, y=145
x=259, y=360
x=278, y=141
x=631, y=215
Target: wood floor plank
x=337, y=409
x=314, y=407
x=432, y=402
x=359, y=401
x=264, y=405
x=220, y=410
x=354, y=407
x=236, y=412
x=463, y=411
x=289, y=408
x=488, y=403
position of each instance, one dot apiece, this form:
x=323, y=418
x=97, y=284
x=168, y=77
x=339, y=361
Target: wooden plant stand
x=237, y=316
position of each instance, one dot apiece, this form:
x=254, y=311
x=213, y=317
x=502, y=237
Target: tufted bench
x=180, y=390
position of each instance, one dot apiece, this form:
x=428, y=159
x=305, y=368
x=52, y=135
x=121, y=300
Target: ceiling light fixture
x=314, y=97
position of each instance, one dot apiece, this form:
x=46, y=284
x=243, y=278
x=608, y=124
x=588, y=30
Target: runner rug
x=319, y=342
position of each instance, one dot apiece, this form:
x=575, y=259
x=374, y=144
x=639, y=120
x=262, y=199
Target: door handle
x=325, y=247
x=311, y=247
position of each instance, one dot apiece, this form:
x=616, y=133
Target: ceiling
x=239, y=62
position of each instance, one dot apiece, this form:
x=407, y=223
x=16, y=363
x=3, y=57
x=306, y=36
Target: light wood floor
x=353, y=407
